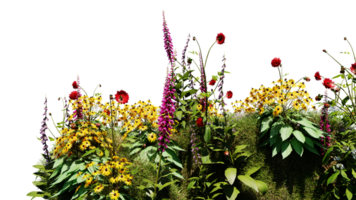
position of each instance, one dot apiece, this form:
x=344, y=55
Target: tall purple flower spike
x=324, y=124
x=43, y=133
x=168, y=45
x=202, y=82
x=221, y=85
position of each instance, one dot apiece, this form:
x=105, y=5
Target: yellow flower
x=98, y=188
x=152, y=137
x=296, y=105
x=112, y=180
x=120, y=178
x=199, y=106
x=275, y=113
x=278, y=109
x=128, y=181
x=261, y=111
x=105, y=171
x=114, y=195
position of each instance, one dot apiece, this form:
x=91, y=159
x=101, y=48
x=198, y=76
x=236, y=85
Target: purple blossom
x=43, y=135
x=202, y=82
x=185, y=49
x=166, y=113
x=168, y=45
x=324, y=123
x=222, y=103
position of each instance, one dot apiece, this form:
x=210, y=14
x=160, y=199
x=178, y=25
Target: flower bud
x=326, y=105
x=194, y=38
x=111, y=97
x=144, y=145
x=190, y=60
x=59, y=98
x=307, y=79
x=324, y=50
x=99, y=85
x=344, y=38
x=50, y=114
x=97, y=125
x=318, y=98
x=226, y=153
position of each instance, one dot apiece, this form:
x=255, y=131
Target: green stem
x=112, y=128
x=84, y=90
x=51, y=133
x=186, y=69
x=95, y=89
x=55, y=124
x=159, y=166
x=208, y=54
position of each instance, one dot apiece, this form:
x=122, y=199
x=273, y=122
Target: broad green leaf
x=277, y=147
x=311, y=132
x=58, y=162
x=309, y=141
x=299, y=135
x=231, y=192
x=36, y=194
x=252, y=170
x=179, y=115
x=348, y=192
x=344, y=101
x=353, y=173
x=247, y=180
x=333, y=177
x=286, y=149
x=172, y=157
x=285, y=131
x=275, y=128
x=51, y=139
x=343, y=174
x=262, y=186
x=88, y=152
x=311, y=149
x=230, y=174
x=135, y=151
x=266, y=122
x=273, y=140
x=297, y=146
x=207, y=135
x=41, y=167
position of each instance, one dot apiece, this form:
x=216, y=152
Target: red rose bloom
x=353, y=68
x=122, y=97
x=107, y=111
x=200, y=122
x=220, y=38
x=73, y=95
x=317, y=76
x=229, y=94
x=212, y=82
x=75, y=85
x=276, y=62
x=328, y=83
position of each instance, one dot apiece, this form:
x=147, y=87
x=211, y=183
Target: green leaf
x=297, y=146
x=231, y=192
x=166, y=184
x=135, y=151
x=327, y=155
x=266, y=123
x=58, y=162
x=107, y=153
x=353, y=173
x=344, y=101
x=348, y=192
x=179, y=115
x=252, y=170
x=309, y=142
x=41, y=167
x=262, y=186
x=36, y=194
x=172, y=157
x=311, y=132
x=88, y=152
x=275, y=128
x=333, y=177
x=207, y=135
x=277, y=147
x=247, y=180
x=286, y=131
x=311, y=149
x=299, y=135
x=51, y=139
x=230, y=174
x=286, y=149
x=343, y=174
x=191, y=184
x=238, y=149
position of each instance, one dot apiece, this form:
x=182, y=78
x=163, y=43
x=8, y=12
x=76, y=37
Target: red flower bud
x=144, y=145
x=317, y=98
x=75, y=85
x=344, y=38
x=226, y=153
x=324, y=50
x=50, y=114
x=99, y=85
x=97, y=125
x=212, y=82
x=317, y=76
x=307, y=79
x=326, y=105
x=194, y=38
x=59, y=98
x=200, y=122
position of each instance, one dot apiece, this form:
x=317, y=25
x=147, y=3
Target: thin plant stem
x=159, y=166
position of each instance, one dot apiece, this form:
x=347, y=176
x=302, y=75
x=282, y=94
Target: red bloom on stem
x=200, y=122
x=220, y=38
x=122, y=97
x=316, y=76
x=328, y=83
x=307, y=79
x=326, y=105
x=73, y=95
x=75, y=85
x=229, y=94
x=226, y=153
x=353, y=68
x=212, y=82
x=107, y=112
x=276, y=62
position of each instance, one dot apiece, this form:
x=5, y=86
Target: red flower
x=328, y=83
x=226, y=153
x=316, y=76
x=326, y=105
x=353, y=68
x=276, y=62
x=75, y=85
x=220, y=38
x=200, y=122
x=107, y=111
x=73, y=95
x=229, y=94
x=122, y=97
x=212, y=82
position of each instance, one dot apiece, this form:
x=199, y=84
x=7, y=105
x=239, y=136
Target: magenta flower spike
x=168, y=45
x=43, y=133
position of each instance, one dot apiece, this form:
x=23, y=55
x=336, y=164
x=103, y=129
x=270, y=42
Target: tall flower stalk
x=43, y=133
x=324, y=125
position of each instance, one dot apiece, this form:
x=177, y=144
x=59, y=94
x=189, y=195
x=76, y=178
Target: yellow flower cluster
x=88, y=136
x=212, y=110
x=279, y=94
